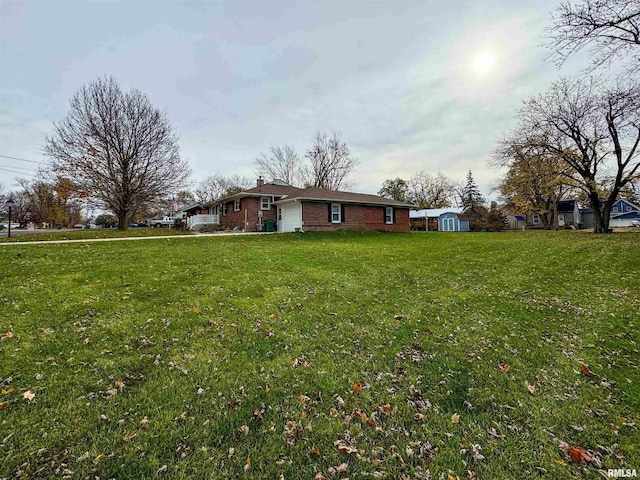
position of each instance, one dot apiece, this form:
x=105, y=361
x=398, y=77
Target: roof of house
x=276, y=188
x=566, y=205
x=433, y=212
x=322, y=195
x=289, y=194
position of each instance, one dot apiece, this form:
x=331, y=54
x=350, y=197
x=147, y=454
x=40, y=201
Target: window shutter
x=394, y=215
x=342, y=208
x=329, y=205
x=240, y=204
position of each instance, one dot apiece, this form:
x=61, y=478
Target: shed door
x=448, y=224
x=291, y=218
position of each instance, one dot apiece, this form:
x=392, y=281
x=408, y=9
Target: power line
x=17, y=173
x=18, y=168
x=22, y=159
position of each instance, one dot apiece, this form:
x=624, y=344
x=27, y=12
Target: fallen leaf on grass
x=3, y=405
x=386, y=409
x=344, y=448
x=28, y=395
x=119, y=384
x=357, y=388
x=341, y=468
x=129, y=436
x=586, y=371
x=314, y=451
x=530, y=387
x=455, y=418
x=267, y=388
x=7, y=336
x=505, y=367
x=579, y=454
x=247, y=465
x=7, y=391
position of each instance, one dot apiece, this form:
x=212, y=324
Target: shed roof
x=433, y=212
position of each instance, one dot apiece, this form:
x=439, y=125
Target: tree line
x=581, y=137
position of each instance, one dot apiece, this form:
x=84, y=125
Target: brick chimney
x=260, y=181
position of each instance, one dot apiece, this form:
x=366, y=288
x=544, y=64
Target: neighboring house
x=428, y=219
x=586, y=214
x=623, y=213
x=568, y=216
x=515, y=222
x=285, y=208
x=453, y=222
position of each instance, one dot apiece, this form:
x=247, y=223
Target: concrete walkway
x=123, y=239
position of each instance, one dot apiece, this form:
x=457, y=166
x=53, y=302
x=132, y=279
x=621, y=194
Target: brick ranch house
x=292, y=209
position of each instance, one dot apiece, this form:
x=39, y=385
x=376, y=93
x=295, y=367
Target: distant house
x=278, y=206
x=586, y=214
x=568, y=216
x=515, y=222
x=453, y=222
x=623, y=213
x=428, y=219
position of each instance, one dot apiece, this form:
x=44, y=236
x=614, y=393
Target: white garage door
x=291, y=218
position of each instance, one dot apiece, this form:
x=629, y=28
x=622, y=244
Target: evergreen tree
x=472, y=199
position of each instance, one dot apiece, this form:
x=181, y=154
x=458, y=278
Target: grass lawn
x=422, y=355
x=96, y=233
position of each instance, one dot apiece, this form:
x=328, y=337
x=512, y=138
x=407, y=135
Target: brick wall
x=251, y=205
x=315, y=217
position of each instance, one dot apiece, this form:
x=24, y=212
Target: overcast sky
x=410, y=84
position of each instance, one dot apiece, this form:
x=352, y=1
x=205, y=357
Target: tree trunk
x=600, y=218
x=123, y=222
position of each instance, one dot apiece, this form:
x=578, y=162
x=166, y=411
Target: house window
x=279, y=214
x=335, y=213
x=236, y=205
x=224, y=209
x=388, y=215
x=265, y=203
x=536, y=218
x=615, y=209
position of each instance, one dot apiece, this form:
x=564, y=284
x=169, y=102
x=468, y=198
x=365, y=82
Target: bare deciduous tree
x=117, y=148
x=218, y=186
x=594, y=130
x=281, y=163
x=431, y=191
x=330, y=162
x=609, y=28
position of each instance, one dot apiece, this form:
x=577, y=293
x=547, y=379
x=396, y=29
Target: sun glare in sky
x=483, y=62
